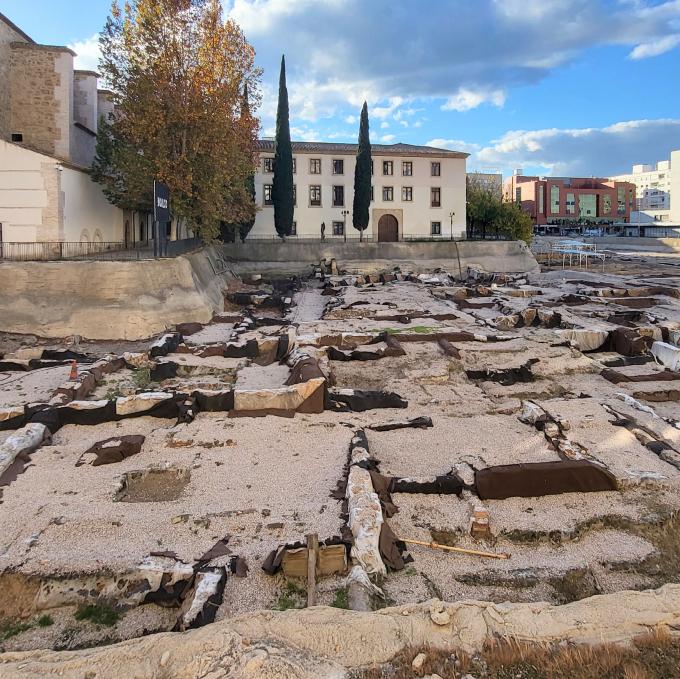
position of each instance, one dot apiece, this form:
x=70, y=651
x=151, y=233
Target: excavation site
x=416, y=455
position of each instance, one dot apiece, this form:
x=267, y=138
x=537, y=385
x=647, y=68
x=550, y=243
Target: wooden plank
x=312, y=551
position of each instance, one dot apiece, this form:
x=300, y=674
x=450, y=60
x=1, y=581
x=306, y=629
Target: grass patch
x=142, y=377
x=9, y=629
x=292, y=596
x=656, y=656
x=97, y=614
x=45, y=621
x=420, y=329
x=341, y=599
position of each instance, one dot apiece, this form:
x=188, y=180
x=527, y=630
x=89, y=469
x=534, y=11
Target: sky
x=555, y=87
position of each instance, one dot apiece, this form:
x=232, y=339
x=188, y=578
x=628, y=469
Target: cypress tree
x=362, y=177
x=282, y=185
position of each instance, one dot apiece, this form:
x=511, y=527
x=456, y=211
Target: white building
x=49, y=113
x=418, y=191
x=653, y=185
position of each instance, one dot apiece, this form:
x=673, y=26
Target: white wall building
x=653, y=185
x=49, y=114
x=418, y=191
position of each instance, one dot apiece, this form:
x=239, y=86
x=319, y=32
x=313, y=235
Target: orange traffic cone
x=74, y=371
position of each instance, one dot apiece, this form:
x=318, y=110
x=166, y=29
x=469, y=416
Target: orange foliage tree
x=177, y=71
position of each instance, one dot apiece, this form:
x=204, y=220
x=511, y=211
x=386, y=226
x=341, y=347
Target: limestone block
x=667, y=354
x=365, y=520
x=584, y=339
x=24, y=440
x=138, y=403
x=128, y=587
x=284, y=398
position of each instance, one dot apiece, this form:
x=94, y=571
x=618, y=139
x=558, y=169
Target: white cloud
x=87, y=52
x=343, y=52
x=585, y=152
x=466, y=99
x=653, y=49
x=453, y=145
x=384, y=125
x=387, y=138
x=350, y=120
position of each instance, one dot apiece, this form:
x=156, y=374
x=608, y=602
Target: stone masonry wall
x=39, y=106
x=7, y=36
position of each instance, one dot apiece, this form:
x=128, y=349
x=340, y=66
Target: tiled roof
x=376, y=149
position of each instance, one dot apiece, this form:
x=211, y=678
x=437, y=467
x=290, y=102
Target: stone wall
x=7, y=36
x=41, y=89
x=455, y=256
x=30, y=195
x=107, y=300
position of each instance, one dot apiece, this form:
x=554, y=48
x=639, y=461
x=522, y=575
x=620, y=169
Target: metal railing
x=99, y=251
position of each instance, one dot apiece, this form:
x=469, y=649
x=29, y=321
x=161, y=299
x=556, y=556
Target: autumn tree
x=362, y=177
x=177, y=71
x=282, y=182
x=229, y=231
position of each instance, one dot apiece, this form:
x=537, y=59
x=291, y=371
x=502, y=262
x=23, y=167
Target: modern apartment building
x=48, y=124
x=417, y=191
x=561, y=200
x=652, y=184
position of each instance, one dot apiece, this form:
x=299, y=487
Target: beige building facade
x=49, y=113
x=418, y=192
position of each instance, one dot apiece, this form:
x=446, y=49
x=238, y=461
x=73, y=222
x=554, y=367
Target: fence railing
x=99, y=251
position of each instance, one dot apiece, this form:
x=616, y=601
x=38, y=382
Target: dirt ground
x=263, y=482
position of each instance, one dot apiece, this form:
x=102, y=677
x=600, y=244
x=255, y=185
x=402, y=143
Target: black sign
x=161, y=202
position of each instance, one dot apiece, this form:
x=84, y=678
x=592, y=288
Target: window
x=554, y=199
x=315, y=166
x=541, y=199
x=388, y=167
x=338, y=229
x=407, y=168
x=294, y=195
x=371, y=168
x=372, y=198
x=294, y=165
x=407, y=193
x=268, y=165
x=293, y=230
x=435, y=228
x=17, y=137
x=606, y=204
x=571, y=204
x=620, y=200
x=338, y=196
x=518, y=195
x=388, y=193
x=435, y=169
x=268, y=194
x=435, y=197
x=338, y=166
x=315, y=195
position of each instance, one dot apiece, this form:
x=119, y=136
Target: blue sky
x=581, y=87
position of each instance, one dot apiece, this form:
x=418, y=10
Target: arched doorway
x=388, y=229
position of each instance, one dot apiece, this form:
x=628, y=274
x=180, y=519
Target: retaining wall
x=503, y=256
x=107, y=300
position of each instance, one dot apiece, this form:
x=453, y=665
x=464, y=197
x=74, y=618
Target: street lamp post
x=344, y=224
x=452, y=214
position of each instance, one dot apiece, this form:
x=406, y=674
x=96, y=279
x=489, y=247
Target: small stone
x=418, y=661
x=405, y=612
x=180, y=518
x=438, y=614
x=164, y=658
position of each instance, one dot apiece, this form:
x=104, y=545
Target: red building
x=563, y=200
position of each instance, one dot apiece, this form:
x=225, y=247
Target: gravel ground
x=267, y=481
